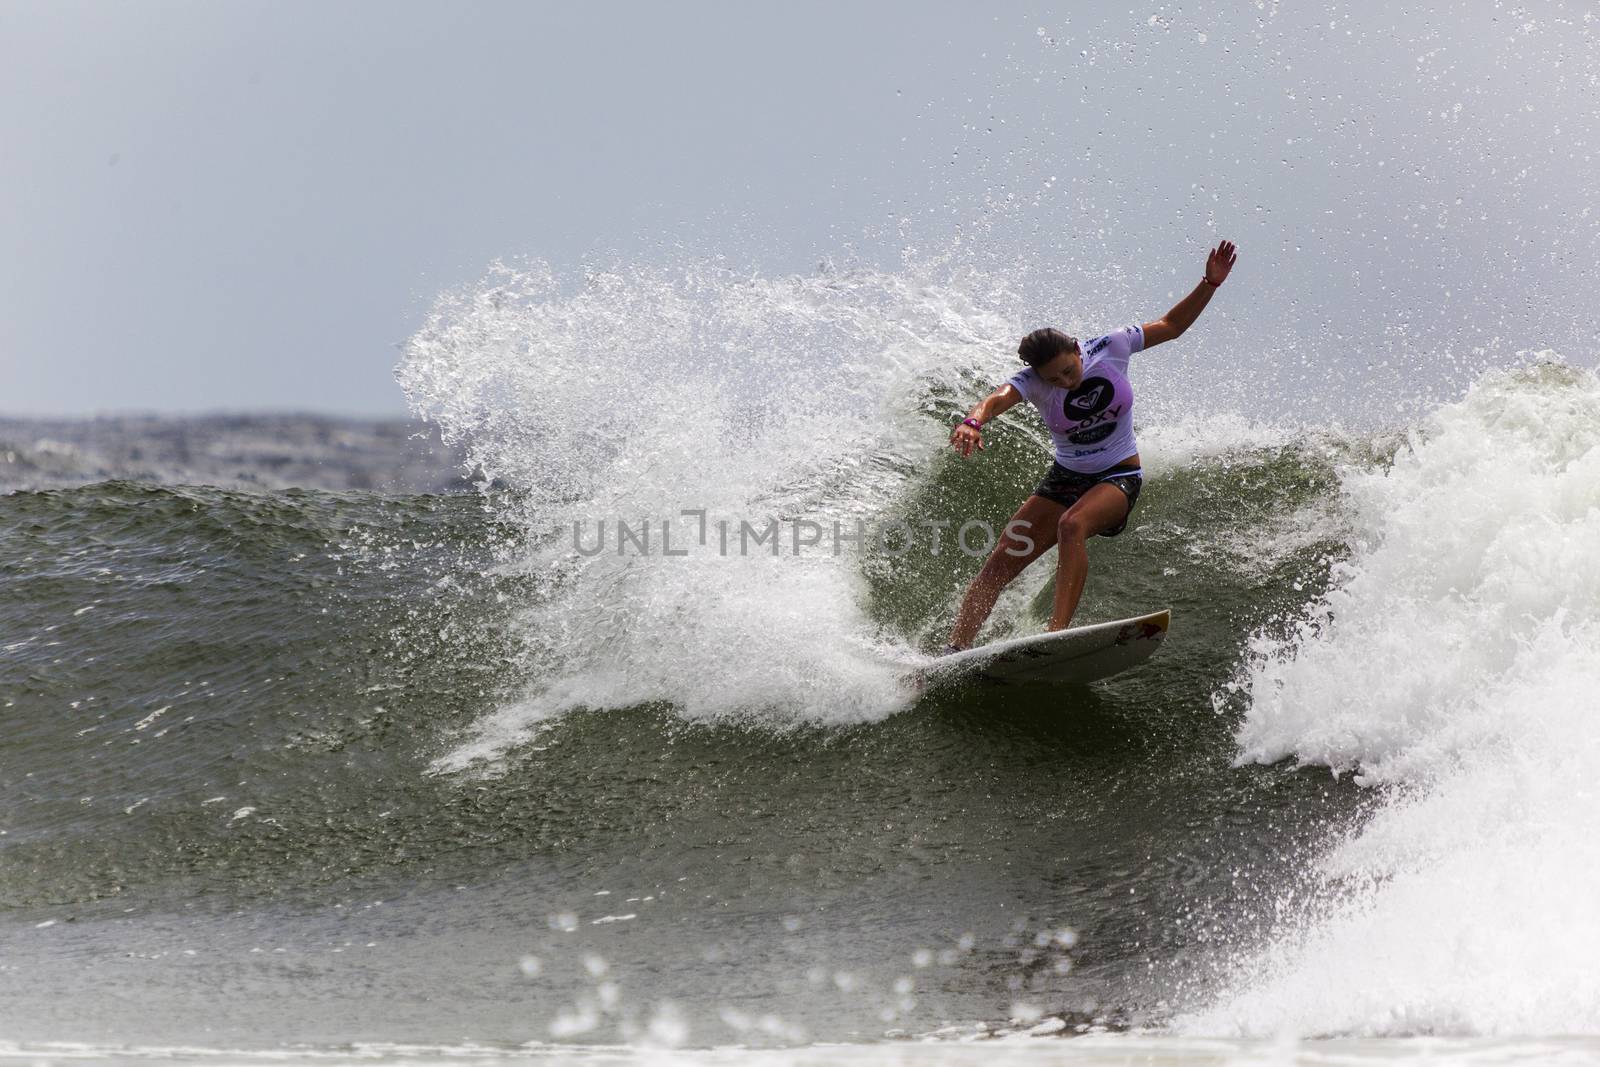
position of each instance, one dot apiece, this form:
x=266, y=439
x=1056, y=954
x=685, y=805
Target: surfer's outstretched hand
x=1220, y=262
x=964, y=439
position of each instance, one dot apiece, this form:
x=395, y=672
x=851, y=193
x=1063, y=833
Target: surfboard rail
x=1077, y=655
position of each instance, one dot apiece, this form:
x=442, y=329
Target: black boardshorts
x=1065, y=487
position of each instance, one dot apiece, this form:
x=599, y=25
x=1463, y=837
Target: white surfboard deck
x=1076, y=655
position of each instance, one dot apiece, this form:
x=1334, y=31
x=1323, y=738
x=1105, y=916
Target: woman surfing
x=1083, y=394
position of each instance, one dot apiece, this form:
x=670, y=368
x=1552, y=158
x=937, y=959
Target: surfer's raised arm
x=965, y=437
x=1185, y=311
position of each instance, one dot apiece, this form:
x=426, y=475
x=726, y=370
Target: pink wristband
x=974, y=423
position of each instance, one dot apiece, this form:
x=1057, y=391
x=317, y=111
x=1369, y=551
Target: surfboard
x=1076, y=655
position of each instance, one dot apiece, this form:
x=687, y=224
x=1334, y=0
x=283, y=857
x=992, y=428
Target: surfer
x=1084, y=396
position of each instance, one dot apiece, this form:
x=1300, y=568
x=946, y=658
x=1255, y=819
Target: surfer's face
x=1065, y=370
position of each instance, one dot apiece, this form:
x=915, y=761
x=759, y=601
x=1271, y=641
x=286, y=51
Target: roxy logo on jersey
x=1086, y=402
x=1089, y=411
x=1088, y=399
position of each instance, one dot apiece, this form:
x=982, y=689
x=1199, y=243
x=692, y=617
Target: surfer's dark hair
x=1043, y=345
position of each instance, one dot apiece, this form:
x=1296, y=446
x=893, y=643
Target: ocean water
x=384, y=767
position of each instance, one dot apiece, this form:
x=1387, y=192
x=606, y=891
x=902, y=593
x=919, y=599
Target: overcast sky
x=248, y=206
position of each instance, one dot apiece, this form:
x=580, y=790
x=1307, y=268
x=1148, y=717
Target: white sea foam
x=636, y=397
x=1186, y=439
x=1456, y=666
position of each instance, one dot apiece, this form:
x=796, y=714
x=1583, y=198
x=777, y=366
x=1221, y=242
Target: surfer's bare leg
x=1036, y=520
x=1100, y=508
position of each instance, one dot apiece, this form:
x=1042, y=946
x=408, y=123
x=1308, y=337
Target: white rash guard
x=1092, y=425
